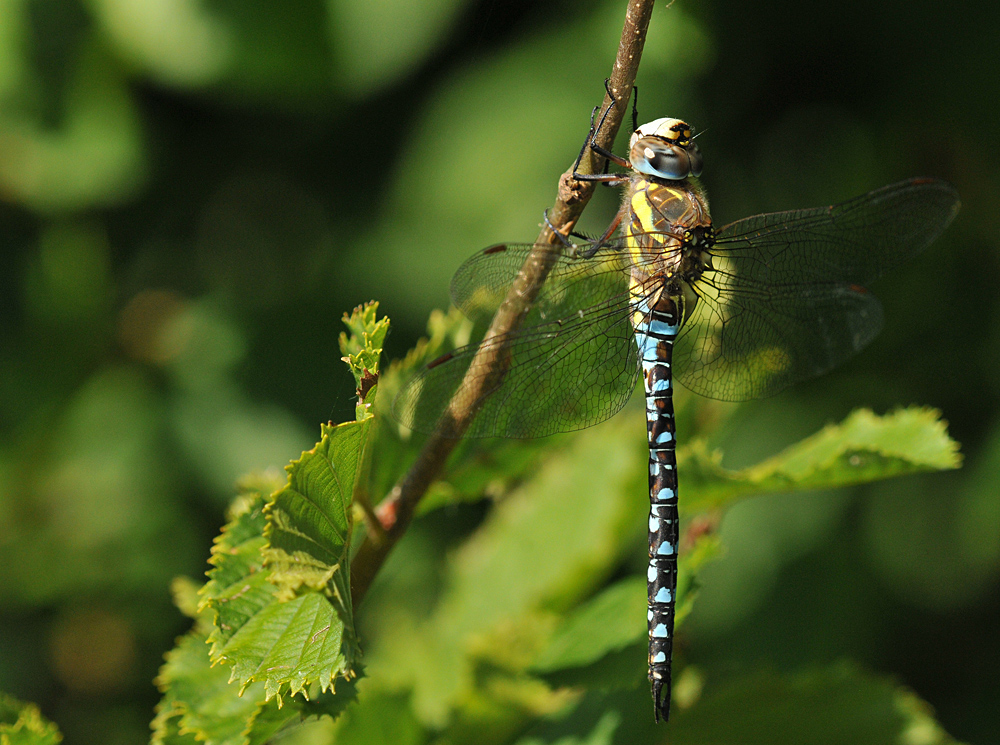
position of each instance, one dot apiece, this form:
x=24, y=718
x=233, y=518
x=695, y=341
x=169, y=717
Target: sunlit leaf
x=375, y=43
x=362, y=350
x=611, y=621
x=200, y=703
x=237, y=588
x=292, y=643
x=94, y=158
x=286, y=645
x=222, y=704
x=309, y=520
x=825, y=707
x=180, y=43
x=603, y=642
x=23, y=724
x=362, y=346
x=381, y=718
x=864, y=447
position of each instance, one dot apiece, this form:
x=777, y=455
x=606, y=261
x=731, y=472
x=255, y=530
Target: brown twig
x=489, y=366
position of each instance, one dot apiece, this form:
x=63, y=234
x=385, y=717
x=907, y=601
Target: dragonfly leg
x=567, y=243
x=583, y=251
x=635, y=103
x=635, y=108
x=611, y=179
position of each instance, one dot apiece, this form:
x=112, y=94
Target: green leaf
x=23, y=724
x=832, y=706
x=237, y=588
x=381, y=717
x=362, y=350
x=603, y=642
x=864, y=447
x=608, y=623
x=294, y=643
x=267, y=633
x=309, y=521
x=200, y=704
x=548, y=544
x=376, y=43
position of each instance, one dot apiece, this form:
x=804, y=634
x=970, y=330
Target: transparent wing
x=856, y=241
x=785, y=301
x=482, y=282
x=572, y=364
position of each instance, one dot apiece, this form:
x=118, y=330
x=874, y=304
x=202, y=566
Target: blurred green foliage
x=192, y=193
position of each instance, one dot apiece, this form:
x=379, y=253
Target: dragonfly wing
x=853, y=242
x=785, y=300
x=572, y=283
x=737, y=346
x=563, y=374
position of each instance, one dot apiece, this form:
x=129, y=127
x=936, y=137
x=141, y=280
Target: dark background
x=193, y=194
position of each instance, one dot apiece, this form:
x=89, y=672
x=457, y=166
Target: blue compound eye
x=694, y=156
x=665, y=149
x=655, y=157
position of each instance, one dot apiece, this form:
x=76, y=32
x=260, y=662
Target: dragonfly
x=734, y=313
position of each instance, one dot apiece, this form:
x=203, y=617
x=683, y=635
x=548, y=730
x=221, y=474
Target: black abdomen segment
x=655, y=334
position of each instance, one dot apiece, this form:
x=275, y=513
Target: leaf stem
x=396, y=511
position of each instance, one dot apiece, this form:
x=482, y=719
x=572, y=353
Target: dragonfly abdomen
x=655, y=332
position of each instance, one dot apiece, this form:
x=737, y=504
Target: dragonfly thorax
x=664, y=149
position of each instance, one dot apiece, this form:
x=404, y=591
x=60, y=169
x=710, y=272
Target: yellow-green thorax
x=668, y=234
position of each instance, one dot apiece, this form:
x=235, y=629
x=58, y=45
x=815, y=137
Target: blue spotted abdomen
x=655, y=331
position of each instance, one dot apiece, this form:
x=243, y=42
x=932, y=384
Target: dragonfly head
x=665, y=149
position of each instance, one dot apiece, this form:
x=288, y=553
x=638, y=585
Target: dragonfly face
x=664, y=149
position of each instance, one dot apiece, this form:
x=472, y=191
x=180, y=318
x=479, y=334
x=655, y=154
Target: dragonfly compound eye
x=694, y=156
x=664, y=149
x=652, y=156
